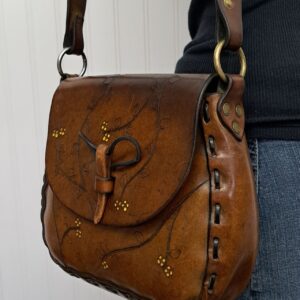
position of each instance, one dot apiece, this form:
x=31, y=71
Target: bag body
x=148, y=188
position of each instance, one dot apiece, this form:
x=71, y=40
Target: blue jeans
x=276, y=166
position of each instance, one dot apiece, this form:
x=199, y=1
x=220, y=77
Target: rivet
x=105, y=265
x=236, y=127
x=57, y=133
x=228, y=3
x=226, y=109
x=239, y=110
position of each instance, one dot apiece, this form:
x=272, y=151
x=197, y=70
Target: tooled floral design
x=76, y=229
x=136, y=246
x=175, y=253
x=71, y=173
x=151, y=154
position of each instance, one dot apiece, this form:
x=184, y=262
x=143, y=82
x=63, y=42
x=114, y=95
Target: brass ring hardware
x=217, y=61
x=59, y=63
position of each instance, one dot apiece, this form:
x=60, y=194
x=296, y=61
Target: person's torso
x=272, y=47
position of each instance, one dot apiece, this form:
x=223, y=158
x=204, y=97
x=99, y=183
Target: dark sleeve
x=195, y=13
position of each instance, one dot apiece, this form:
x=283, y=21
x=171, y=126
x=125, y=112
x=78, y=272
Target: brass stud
x=226, y=109
x=104, y=265
x=124, y=205
x=77, y=222
x=104, y=128
x=239, y=110
x=236, y=127
x=55, y=134
x=106, y=137
x=78, y=233
x=168, y=272
x=228, y=3
x=58, y=133
x=161, y=261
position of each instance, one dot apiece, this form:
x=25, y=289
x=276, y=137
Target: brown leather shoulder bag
x=148, y=188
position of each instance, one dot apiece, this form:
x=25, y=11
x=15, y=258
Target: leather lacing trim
x=212, y=281
x=217, y=207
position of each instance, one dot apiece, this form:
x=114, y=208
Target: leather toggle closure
x=104, y=181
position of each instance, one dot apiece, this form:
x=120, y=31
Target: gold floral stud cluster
x=124, y=205
x=56, y=133
x=105, y=265
x=104, y=128
x=78, y=232
x=161, y=261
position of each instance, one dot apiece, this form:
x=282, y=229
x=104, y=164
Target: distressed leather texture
x=177, y=222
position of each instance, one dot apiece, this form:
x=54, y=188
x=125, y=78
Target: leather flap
x=159, y=112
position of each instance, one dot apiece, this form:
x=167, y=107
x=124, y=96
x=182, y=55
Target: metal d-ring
x=59, y=63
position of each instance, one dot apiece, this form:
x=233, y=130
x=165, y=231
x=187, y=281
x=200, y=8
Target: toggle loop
x=111, y=149
x=134, y=142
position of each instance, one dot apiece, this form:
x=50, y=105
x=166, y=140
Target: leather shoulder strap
x=74, y=26
x=229, y=24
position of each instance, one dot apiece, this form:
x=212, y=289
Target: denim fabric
x=276, y=275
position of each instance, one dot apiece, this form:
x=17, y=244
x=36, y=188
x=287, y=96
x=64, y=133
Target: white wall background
x=122, y=36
